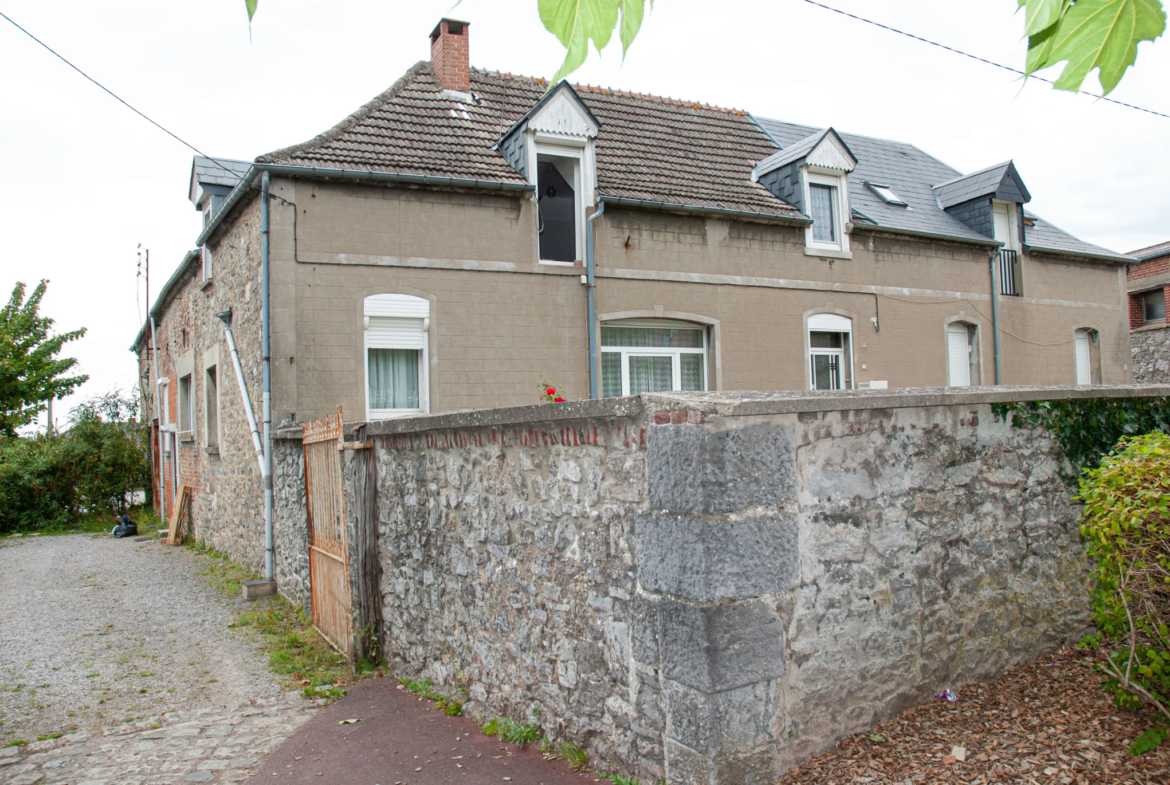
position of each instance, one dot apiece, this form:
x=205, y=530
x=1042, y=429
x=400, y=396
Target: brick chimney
x=451, y=55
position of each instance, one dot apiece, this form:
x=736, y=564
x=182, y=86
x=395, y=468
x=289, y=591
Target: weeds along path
x=96, y=631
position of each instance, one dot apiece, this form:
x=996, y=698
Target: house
x=467, y=234
x=1148, y=282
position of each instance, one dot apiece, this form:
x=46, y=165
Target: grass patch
x=47, y=736
x=94, y=523
x=424, y=689
x=296, y=650
x=518, y=733
x=17, y=743
x=222, y=574
x=578, y=758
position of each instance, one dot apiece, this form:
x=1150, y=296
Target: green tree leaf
x=632, y=11
x=1042, y=14
x=1091, y=34
x=577, y=22
x=251, y=5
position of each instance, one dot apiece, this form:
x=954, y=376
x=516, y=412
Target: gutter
x=992, y=259
x=928, y=235
x=1079, y=254
x=590, y=266
x=266, y=396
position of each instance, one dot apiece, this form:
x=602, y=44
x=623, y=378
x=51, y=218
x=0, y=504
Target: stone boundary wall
x=710, y=588
x=1151, y=355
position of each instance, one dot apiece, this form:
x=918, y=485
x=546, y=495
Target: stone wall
x=290, y=530
x=712, y=587
x=1151, y=355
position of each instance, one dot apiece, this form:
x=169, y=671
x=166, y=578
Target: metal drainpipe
x=266, y=401
x=592, y=296
x=162, y=477
x=226, y=318
x=995, y=308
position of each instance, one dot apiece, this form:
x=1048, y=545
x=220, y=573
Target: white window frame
x=974, y=366
x=186, y=407
x=1091, y=337
x=409, y=307
x=210, y=402
x=164, y=391
x=837, y=182
x=1142, y=299
x=1012, y=242
x=577, y=151
x=828, y=323
x=208, y=262
x=650, y=351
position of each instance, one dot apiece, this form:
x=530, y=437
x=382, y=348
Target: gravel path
x=95, y=631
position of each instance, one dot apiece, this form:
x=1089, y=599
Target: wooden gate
x=328, y=542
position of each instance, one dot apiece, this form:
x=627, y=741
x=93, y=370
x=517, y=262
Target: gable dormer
x=990, y=201
x=552, y=146
x=811, y=175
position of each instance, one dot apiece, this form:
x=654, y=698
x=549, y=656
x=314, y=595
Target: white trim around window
x=838, y=246
x=652, y=364
x=830, y=365
x=395, y=344
x=580, y=153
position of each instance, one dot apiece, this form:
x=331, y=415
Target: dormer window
x=558, y=206
x=826, y=207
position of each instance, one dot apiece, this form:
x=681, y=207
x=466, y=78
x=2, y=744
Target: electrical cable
x=977, y=58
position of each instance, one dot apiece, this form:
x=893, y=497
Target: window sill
x=207, y=282
x=561, y=264
x=827, y=253
x=186, y=437
x=211, y=450
x=1147, y=326
x=395, y=414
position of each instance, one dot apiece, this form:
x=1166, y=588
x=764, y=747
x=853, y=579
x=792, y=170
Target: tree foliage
x=1126, y=526
x=31, y=372
x=1086, y=429
x=47, y=482
x=1087, y=35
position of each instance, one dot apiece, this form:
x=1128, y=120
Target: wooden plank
x=179, y=514
x=367, y=571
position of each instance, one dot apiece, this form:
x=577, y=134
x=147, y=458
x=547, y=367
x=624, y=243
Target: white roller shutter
x=397, y=305
x=385, y=333
x=1084, y=361
x=959, y=355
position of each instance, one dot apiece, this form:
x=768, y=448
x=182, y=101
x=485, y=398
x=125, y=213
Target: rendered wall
x=709, y=588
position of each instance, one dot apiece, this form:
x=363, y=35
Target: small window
x=207, y=263
x=830, y=352
x=557, y=208
x=1154, y=306
x=185, y=405
x=962, y=355
x=823, y=205
x=886, y=194
x=1087, y=344
x=652, y=357
x=1009, y=273
x=211, y=408
x=396, y=351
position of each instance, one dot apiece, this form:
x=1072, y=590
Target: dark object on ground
x=1048, y=722
x=143, y=539
x=125, y=528
x=400, y=738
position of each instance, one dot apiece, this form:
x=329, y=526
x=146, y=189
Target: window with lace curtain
x=638, y=357
x=396, y=352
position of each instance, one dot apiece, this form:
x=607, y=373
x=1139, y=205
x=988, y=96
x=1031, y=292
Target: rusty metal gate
x=328, y=543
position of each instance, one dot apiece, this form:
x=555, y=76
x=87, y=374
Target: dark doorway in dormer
x=557, y=207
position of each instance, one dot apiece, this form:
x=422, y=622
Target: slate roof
x=648, y=148
x=204, y=170
x=912, y=174
x=1151, y=251
x=985, y=182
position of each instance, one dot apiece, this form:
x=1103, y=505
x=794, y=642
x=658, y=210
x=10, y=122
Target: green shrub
x=1086, y=429
x=1126, y=526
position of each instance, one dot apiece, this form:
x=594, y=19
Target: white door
x=1084, y=358
x=1003, y=224
x=959, y=354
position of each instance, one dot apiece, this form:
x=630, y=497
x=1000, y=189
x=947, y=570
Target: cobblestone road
x=121, y=651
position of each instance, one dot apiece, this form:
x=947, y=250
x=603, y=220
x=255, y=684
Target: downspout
x=592, y=295
x=162, y=478
x=266, y=401
x=995, y=307
x=226, y=318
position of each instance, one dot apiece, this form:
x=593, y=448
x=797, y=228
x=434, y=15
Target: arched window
x=640, y=356
x=830, y=352
x=396, y=327
x=962, y=354
x=1087, y=346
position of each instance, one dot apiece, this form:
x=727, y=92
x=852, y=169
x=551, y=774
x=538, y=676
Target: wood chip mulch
x=1049, y=722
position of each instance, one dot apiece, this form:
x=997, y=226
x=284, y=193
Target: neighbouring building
x=1149, y=280
x=468, y=234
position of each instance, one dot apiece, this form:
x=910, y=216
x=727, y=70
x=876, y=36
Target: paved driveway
x=120, y=658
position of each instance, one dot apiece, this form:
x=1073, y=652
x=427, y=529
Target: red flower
x=558, y=399
x=551, y=391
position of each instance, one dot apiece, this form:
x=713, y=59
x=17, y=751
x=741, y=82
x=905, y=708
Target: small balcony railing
x=1008, y=261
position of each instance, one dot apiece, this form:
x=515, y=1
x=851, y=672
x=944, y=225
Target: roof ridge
x=588, y=88
x=1152, y=251
x=972, y=174
x=412, y=73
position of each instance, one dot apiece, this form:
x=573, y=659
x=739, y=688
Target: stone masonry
x=709, y=588
x=1151, y=355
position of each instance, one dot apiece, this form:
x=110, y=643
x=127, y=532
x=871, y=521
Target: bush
x=1089, y=428
x=1126, y=526
x=48, y=482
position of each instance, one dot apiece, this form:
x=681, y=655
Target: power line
x=117, y=98
x=978, y=59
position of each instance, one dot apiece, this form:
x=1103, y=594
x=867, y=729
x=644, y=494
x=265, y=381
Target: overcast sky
x=83, y=181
